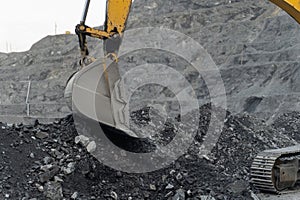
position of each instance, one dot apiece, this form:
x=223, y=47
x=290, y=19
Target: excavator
x=276, y=171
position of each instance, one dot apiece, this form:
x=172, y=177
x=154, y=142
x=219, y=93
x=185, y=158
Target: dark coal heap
x=39, y=161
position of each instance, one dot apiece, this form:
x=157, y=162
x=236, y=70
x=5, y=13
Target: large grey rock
x=53, y=191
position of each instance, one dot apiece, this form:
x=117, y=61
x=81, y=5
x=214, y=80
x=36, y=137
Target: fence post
x=27, y=99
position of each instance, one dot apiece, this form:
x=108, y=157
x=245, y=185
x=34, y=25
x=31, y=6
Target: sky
x=24, y=22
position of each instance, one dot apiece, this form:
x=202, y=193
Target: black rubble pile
x=254, y=46
x=44, y=162
x=289, y=124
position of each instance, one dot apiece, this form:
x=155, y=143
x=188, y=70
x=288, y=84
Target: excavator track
x=276, y=171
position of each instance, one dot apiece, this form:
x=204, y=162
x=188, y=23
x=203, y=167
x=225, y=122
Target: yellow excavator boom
x=117, y=12
x=292, y=7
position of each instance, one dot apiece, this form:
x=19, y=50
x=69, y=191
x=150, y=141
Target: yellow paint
x=116, y=15
x=116, y=18
x=118, y=10
x=294, y=3
x=292, y=7
x=97, y=33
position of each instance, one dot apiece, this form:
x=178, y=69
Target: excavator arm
x=292, y=7
x=96, y=83
x=117, y=12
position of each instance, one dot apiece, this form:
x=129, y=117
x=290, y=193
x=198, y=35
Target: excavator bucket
x=87, y=90
x=95, y=91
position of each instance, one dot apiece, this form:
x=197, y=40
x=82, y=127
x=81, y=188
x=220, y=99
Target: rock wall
x=254, y=44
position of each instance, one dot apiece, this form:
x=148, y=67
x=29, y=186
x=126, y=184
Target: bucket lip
x=70, y=77
x=68, y=90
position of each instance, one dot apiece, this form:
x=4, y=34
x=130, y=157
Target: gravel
x=63, y=169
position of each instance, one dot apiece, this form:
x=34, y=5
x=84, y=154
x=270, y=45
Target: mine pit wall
x=26, y=101
x=255, y=46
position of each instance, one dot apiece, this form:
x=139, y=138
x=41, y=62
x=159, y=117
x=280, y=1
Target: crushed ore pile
x=44, y=162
